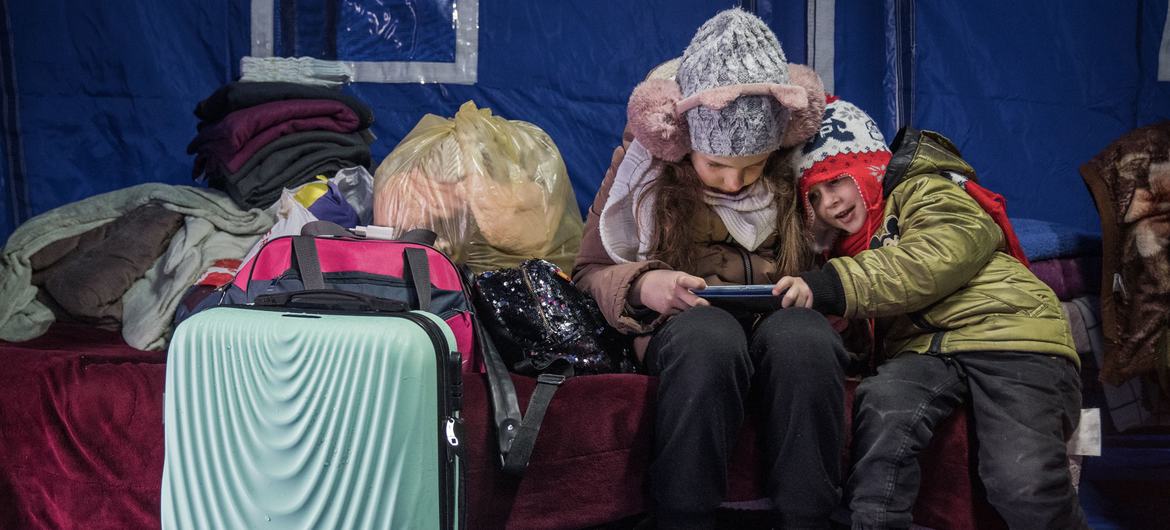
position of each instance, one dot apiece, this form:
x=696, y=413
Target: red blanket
x=81, y=428
x=82, y=438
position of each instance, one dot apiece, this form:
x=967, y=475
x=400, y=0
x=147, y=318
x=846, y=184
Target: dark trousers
x=706, y=362
x=1024, y=406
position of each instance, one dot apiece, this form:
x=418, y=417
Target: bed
x=81, y=427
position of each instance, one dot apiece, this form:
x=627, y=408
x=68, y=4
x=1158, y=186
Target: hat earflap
x=804, y=123
x=655, y=122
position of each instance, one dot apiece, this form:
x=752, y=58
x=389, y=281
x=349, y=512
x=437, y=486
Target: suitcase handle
x=331, y=299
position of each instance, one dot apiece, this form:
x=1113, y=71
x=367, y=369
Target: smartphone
x=756, y=298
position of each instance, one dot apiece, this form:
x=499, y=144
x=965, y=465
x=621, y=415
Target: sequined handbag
x=537, y=317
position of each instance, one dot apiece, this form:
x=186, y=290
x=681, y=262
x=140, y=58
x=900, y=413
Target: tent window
x=387, y=41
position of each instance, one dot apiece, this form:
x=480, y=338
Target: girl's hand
x=667, y=292
x=796, y=292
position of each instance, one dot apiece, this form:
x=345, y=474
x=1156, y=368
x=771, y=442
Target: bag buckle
x=550, y=379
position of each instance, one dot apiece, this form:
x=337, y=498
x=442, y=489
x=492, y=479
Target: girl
x=703, y=197
x=962, y=322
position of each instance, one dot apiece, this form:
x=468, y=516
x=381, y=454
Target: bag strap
x=420, y=274
x=331, y=299
x=420, y=235
x=308, y=265
x=505, y=405
x=547, y=384
x=516, y=434
x=418, y=264
x=324, y=228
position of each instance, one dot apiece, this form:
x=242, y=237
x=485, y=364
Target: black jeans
x=706, y=363
x=1024, y=406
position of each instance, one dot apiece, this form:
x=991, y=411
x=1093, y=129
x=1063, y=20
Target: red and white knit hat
x=848, y=143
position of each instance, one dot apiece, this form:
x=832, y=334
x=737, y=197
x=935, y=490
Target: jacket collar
x=917, y=151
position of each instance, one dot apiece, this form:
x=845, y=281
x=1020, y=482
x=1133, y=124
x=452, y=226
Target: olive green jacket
x=935, y=277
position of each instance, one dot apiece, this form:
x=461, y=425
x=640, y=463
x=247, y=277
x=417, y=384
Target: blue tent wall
x=107, y=88
x=1029, y=91
x=14, y=205
x=1153, y=48
x=104, y=90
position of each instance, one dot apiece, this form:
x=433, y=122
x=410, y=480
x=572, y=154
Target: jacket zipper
x=936, y=343
x=935, y=339
x=918, y=320
x=535, y=300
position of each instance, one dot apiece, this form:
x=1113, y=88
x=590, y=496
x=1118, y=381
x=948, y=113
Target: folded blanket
x=290, y=161
x=320, y=138
x=241, y=95
x=301, y=70
x=22, y=317
x=1070, y=277
x=88, y=284
x=231, y=142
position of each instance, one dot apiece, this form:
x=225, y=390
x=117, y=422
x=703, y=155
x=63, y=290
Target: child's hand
x=796, y=292
x=667, y=292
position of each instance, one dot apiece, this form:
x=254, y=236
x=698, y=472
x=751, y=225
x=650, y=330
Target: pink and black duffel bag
x=334, y=268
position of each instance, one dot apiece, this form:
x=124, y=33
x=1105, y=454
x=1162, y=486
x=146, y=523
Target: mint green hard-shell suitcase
x=279, y=418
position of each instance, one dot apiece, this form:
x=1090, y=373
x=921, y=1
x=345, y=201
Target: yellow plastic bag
x=495, y=191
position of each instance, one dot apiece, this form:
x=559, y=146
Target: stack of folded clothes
x=302, y=70
x=257, y=138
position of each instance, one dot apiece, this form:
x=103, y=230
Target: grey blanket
x=23, y=317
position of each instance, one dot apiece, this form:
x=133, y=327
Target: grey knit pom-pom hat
x=734, y=48
x=733, y=95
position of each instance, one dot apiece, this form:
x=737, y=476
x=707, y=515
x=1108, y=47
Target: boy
x=961, y=321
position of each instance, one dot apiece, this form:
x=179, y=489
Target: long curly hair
x=678, y=195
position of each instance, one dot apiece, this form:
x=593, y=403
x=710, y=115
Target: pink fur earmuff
x=805, y=122
x=655, y=121
x=656, y=110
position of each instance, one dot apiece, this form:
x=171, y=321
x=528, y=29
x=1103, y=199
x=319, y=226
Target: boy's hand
x=796, y=292
x=667, y=292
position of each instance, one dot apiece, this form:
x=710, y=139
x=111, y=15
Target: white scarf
x=750, y=215
x=627, y=231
